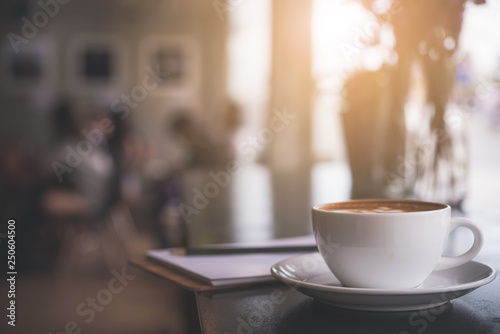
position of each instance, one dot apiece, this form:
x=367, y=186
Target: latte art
x=381, y=206
x=380, y=209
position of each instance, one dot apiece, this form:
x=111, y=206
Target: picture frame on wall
x=31, y=70
x=175, y=60
x=96, y=64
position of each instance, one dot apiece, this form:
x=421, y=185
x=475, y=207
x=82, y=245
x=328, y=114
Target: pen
x=247, y=250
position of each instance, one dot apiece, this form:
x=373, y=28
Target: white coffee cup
x=393, y=248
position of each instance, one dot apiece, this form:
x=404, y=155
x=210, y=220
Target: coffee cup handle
x=447, y=262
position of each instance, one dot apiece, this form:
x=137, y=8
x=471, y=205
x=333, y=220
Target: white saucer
x=310, y=275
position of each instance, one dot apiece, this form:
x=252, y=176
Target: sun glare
x=337, y=26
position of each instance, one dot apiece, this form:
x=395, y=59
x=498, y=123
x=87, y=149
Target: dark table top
x=281, y=309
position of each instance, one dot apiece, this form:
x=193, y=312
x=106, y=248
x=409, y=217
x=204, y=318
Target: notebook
x=231, y=269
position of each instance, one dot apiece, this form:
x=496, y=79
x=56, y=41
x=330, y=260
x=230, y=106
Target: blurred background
x=129, y=125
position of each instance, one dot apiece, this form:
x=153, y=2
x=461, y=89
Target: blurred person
x=191, y=137
x=79, y=193
x=209, y=153
x=200, y=147
x=165, y=182
x=129, y=154
x=80, y=162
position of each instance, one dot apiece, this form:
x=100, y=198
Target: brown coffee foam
x=374, y=204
